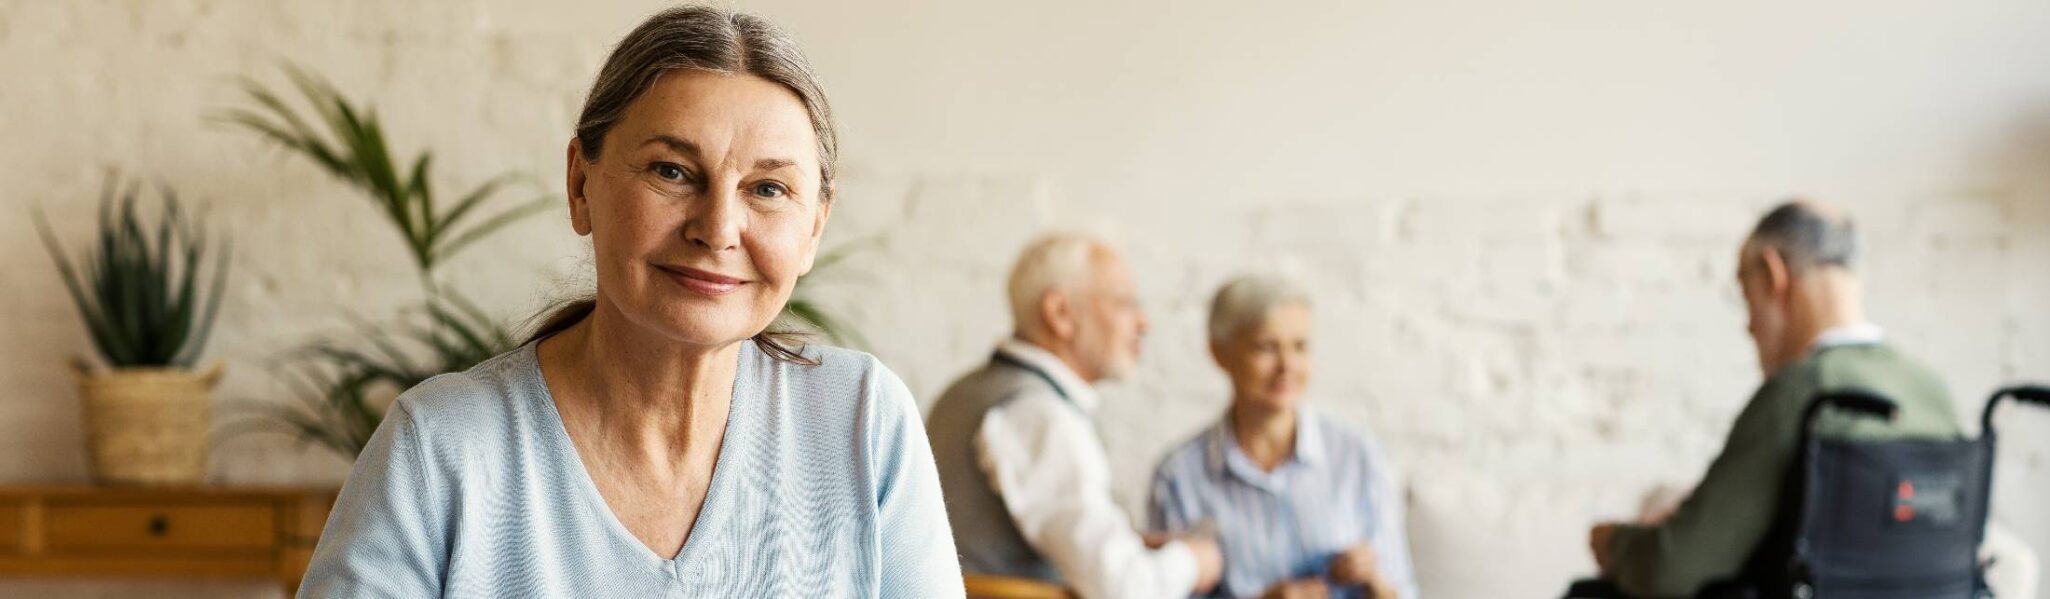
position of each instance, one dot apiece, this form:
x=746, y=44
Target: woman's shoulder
x=1342, y=436
x=1188, y=458
x=837, y=371
x=471, y=400
x=842, y=393
x=1329, y=425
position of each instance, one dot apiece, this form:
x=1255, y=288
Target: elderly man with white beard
x=1026, y=480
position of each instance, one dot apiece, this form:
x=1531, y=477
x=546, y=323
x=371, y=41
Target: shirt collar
x=1224, y=454
x=1078, y=391
x=1863, y=333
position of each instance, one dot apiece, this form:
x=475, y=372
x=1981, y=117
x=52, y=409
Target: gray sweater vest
x=983, y=531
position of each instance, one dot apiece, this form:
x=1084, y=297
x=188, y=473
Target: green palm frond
x=334, y=410
x=809, y=314
x=806, y=311
x=827, y=262
x=336, y=381
x=348, y=141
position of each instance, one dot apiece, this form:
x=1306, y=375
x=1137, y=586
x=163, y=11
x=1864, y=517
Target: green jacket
x=1712, y=534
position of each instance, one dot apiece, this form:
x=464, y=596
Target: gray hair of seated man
x=1053, y=262
x=1808, y=235
x=1244, y=301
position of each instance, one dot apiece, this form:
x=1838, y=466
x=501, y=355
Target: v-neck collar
x=564, y=452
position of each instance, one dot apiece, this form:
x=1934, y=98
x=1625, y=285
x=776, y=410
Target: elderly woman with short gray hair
x=1302, y=506
x=660, y=439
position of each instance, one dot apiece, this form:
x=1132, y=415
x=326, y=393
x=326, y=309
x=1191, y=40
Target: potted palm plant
x=340, y=382
x=147, y=409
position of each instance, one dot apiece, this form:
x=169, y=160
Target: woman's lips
x=703, y=282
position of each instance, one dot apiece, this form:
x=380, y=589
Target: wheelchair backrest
x=1864, y=519
x=1883, y=519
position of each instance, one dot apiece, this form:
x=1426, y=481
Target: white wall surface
x=1519, y=218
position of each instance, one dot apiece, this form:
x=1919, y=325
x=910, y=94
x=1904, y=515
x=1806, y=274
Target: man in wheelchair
x=1812, y=339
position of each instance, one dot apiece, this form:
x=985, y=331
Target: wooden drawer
x=124, y=527
x=10, y=527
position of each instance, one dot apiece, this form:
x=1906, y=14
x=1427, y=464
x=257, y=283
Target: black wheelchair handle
x=1860, y=402
x=2034, y=394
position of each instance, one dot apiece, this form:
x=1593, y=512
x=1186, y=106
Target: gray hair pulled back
x=704, y=38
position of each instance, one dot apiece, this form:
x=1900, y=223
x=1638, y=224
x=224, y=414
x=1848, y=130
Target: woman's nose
x=1293, y=361
x=714, y=223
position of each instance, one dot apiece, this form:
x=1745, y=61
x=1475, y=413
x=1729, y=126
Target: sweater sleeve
x=916, y=546
x=387, y=536
x=1715, y=530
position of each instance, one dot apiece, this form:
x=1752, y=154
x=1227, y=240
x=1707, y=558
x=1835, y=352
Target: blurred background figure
x=1303, y=505
x=1807, y=323
x=1027, y=483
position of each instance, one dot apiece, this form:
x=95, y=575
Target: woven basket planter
x=149, y=425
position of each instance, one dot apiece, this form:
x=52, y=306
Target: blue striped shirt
x=824, y=487
x=1334, y=493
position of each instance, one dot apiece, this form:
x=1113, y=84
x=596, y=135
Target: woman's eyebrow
x=685, y=147
x=681, y=145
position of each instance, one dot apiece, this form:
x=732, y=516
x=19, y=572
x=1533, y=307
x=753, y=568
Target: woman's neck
x=648, y=395
x=1267, y=436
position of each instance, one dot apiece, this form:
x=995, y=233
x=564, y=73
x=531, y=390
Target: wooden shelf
x=196, y=531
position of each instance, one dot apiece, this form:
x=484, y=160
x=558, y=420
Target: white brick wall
x=1519, y=219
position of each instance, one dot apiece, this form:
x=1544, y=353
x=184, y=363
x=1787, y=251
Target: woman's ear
x=579, y=204
x=1217, y=353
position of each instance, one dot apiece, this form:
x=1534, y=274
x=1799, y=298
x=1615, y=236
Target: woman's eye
x=768, y=190
x=668, y=171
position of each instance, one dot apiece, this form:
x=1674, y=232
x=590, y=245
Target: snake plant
x=140, y=292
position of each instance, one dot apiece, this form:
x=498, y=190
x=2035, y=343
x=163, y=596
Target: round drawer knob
x=158, y=525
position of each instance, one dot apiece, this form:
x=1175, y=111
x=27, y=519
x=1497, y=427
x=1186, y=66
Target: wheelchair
x=1870, y=519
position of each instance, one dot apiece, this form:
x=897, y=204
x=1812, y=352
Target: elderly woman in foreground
x=1302, y=506
x=658, y=440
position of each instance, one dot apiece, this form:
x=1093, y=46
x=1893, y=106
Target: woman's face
x=1269, y=363
x=704, y=206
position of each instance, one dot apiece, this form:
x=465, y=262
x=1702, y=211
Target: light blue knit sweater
x=471, y=488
